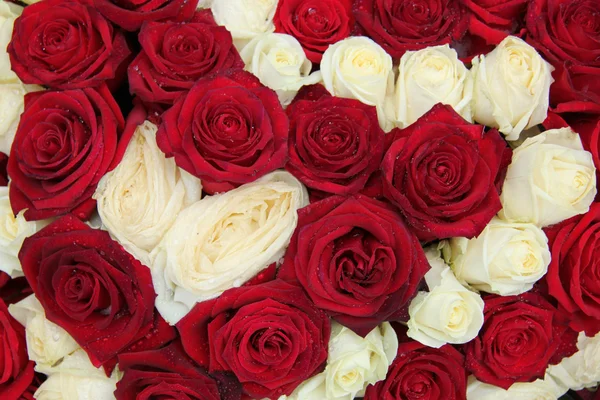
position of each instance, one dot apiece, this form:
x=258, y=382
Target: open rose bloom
x=299, y=199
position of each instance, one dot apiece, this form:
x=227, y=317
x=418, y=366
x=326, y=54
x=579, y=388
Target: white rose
x=139, y=200
x=11, y=107
x=512, y=87
x=245, y=19
x=47, y=343
x=75, y=378
x=8, y=13
x=582, y=369
x=13, y=231
x=506, y=258
x=204, y=4
x=358, y=68
x=551, y=178
x=280, y=63
x=430, y=76
x=353, y=363
x=538, y=390
x=224, y=240
x=448, y=313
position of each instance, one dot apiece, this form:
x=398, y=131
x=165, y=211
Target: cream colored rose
x=582, y=369
x=551, y=178
x=224, y=240
x=75, y=378
x=204, y=4
x=140, y=199
x=245, y=19
x=353, y=363
x=506, y=258
x=448, y=313
x=430, y=76
x=358, y=68
x=512, y=87
x=8, y=13
x=11, y=107
x=538, y=390
x=278, y=60
x=13, y=231
x=47, y=343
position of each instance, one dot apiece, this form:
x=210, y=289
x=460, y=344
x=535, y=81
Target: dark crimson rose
x=421, y=372
x=131, y=14
x=13, y=290
x=175, y=55
x=65, y=45
x=90, y=286
x=315, y=23
x=17, y=371
x=567, y=33
x=66, y=141
x=227, y=130
x=573, y=273
x=356, y=259
x=334, y=144
x=3, y=173
x=403, y=25
x=270, y=336
x=520, y=337
x=168, y=373
x=444, y=174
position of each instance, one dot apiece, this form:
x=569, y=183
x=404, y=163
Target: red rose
x=567, y=33
x=168, y=373
x=403, y=25
x=334, y=144
x=17, y=371
x=356, y=259
x=66, y=141
x=443, y=173
x=3, y=173
x=520, y=336
x=13, y=290
x=175, y=55
x=421, y=372
x=227, y=130
x=270, y=336
x=131, y=14
x=572, y=276
x=315, y=23
x=90, y=286
x=65, y=45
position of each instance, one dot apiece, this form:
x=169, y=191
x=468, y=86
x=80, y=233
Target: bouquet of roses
x=299, y=199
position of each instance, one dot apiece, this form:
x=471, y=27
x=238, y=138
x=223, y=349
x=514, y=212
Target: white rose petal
x=224, y=240
x=538, y=390
x=140, y=199
x=506, y=258
x=430, y=76
x=75, y=378
x=204, y=4
x=512, y=87
x=8, y=13
x=280, y=63
x=582, y=369
x=448, y=313
x=11, y=106
x=358, y=68
x=245, y=19
x=551, y=178
x=13, y=231
x=47, y=343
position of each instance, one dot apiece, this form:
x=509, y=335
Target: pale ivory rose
x=551, y=178
x=430, y=76
x=204, y=4
x=13, y=231
x=358, y=68
x=8, y=13
x=541, y=389
x=512, y=87
x=449, y=312
x=245, y=19
x=75, y=378
x=140, y=199
x=224, y=240
x=506, y=258
x=582, y=369
x=353, y=363
x=47, y=343
x=280, y=63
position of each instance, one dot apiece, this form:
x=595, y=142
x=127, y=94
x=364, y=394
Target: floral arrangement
x=299, y=199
